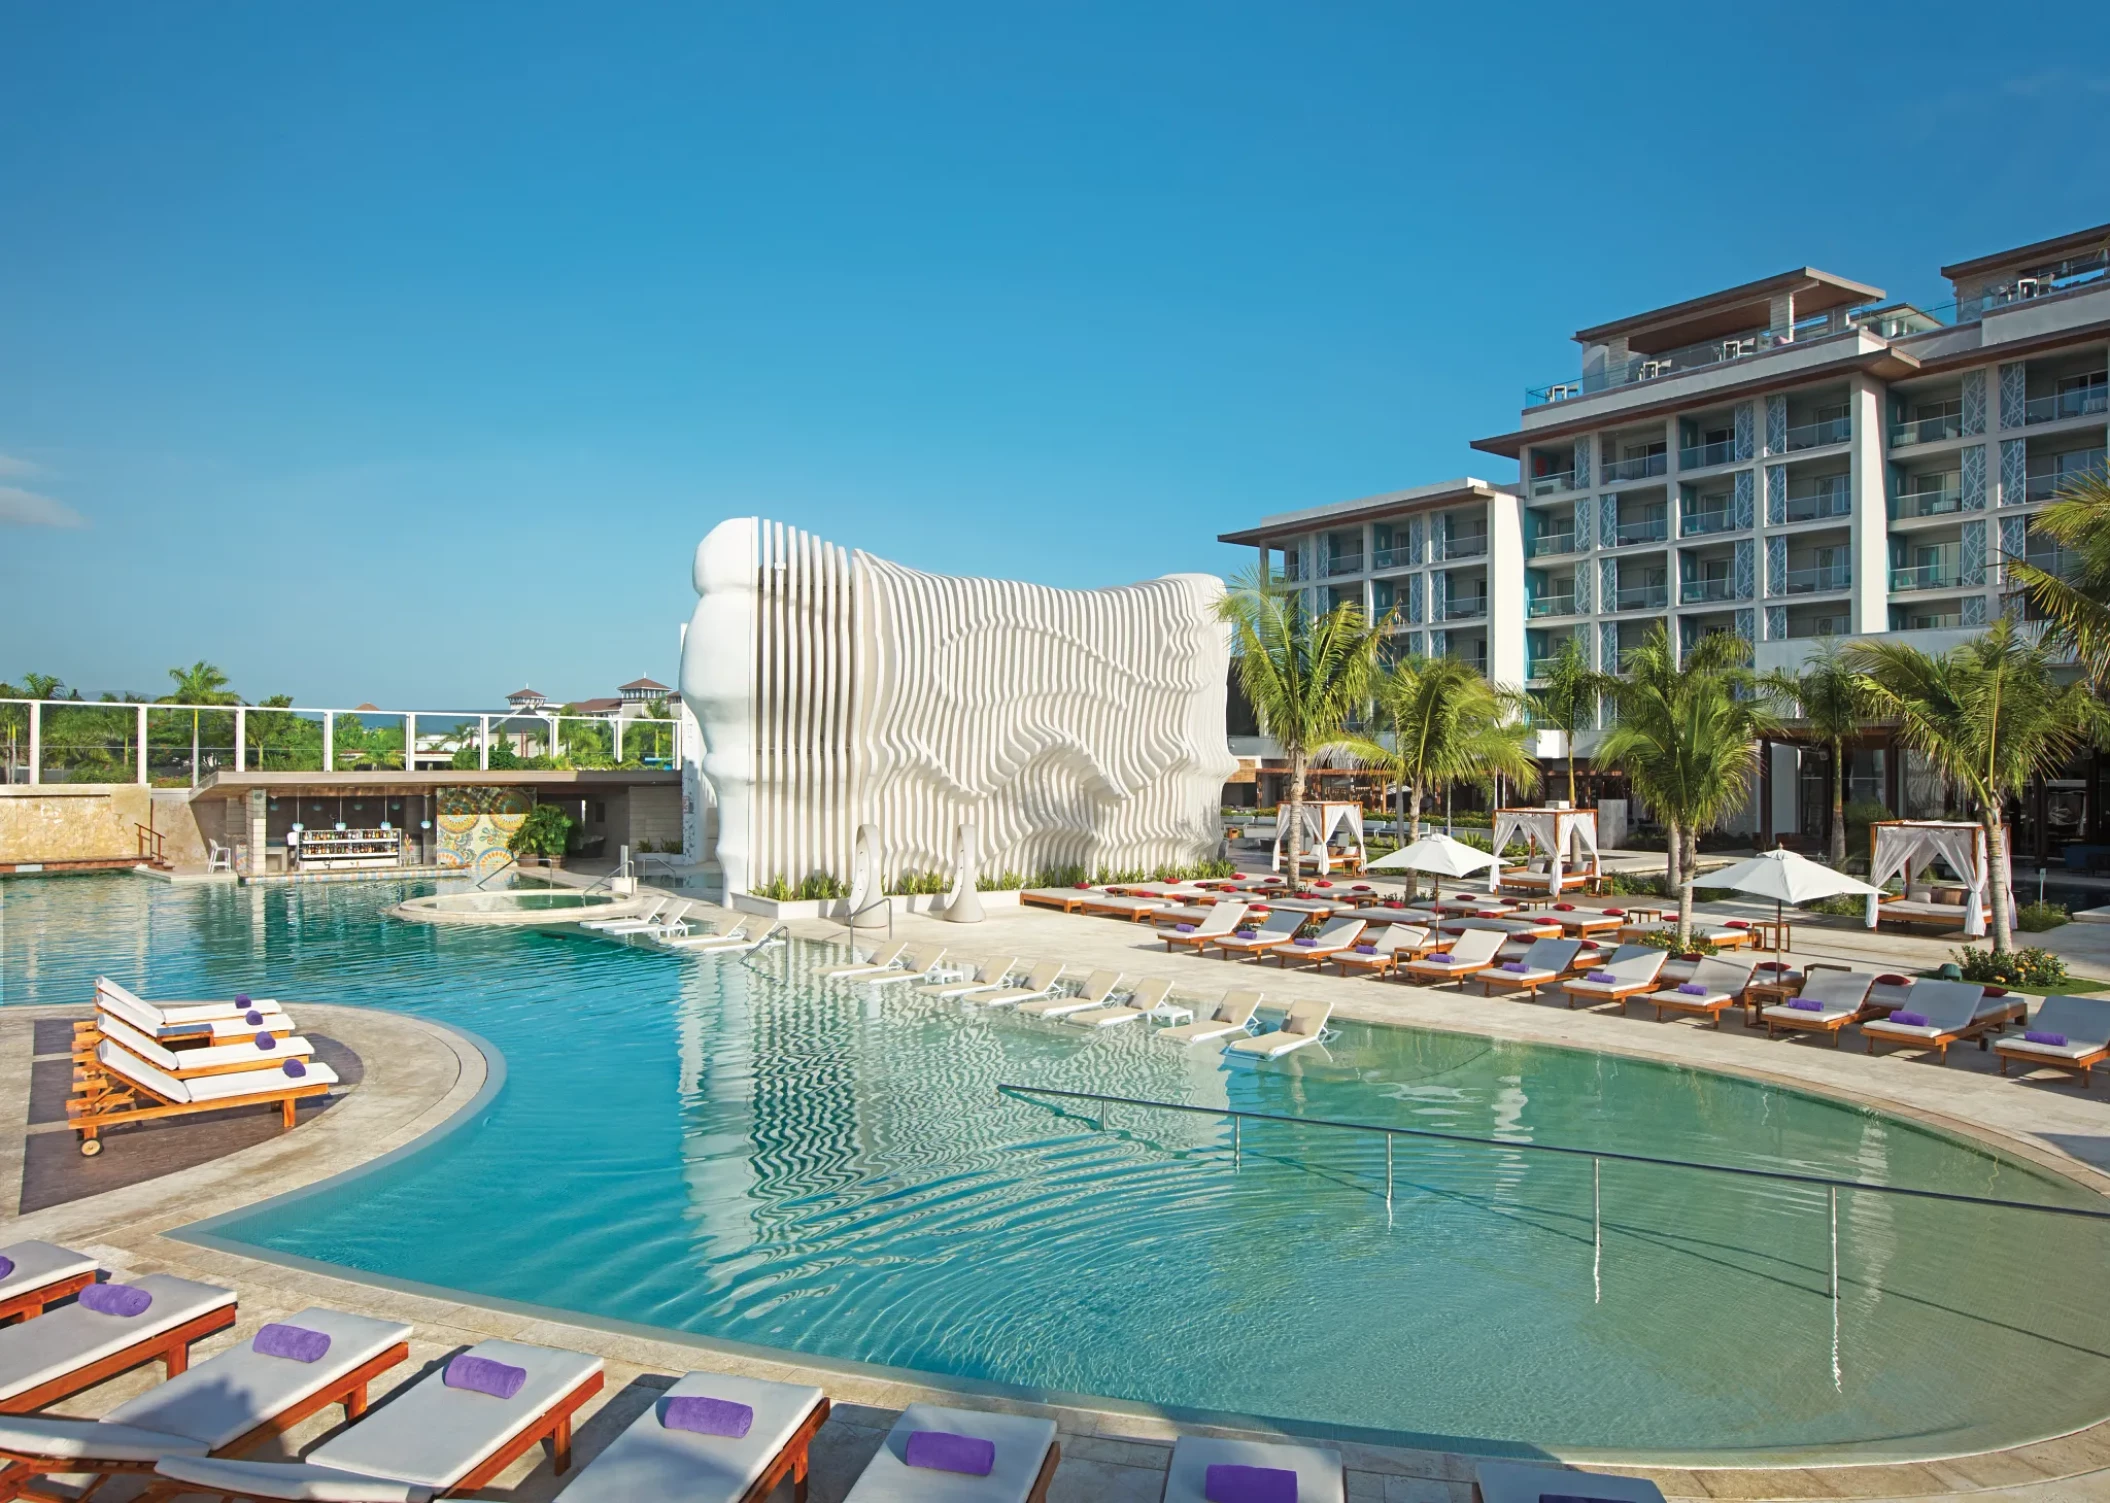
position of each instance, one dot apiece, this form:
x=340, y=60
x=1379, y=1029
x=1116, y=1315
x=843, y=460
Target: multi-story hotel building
x=1792, y=458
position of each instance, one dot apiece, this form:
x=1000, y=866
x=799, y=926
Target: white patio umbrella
x=1786, y=878
x=1436, y=854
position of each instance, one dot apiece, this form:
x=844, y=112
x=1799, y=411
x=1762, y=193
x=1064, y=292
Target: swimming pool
x=719, y=1148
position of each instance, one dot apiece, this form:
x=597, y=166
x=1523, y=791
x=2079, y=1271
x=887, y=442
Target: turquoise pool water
x=723, y=1149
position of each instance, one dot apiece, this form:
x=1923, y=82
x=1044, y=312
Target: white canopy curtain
x=1911, y=846
x=1320, y=823
x=1554, y=831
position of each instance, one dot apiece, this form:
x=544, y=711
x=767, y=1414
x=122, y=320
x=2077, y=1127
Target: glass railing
x=2044, y=482
x=1926, y=430
x=1811, y=581
x=1816, y=435
x=1818, y=626
x=1641, y=597
x=1923, y=621
x=1647, y=530
x=2082, y=402
x=1345, y=563
x=2064, y=562
x=1929, y=500
x=1702, y=455
x=1695, y=523
x=1390, y=558
x=1553, y=542
x=1832, y=498
x=1944, y=575
x=1288, y=574
x=1465, y=610
x=1472, y=545
x=1639, y=468
x=1550, y=605
x=1548, y=485
x=1694, y=590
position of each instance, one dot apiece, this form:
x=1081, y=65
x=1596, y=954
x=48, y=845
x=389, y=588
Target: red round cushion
x=1736, y=923
x=1615, y=913
x=1563, y=907
x=1893, y=981
x=1084, y=887
x=1692, y=955
x=1996, y=991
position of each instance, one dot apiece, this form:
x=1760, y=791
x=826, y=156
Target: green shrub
x=2037, y=917
x=545, y=832
x=1631, y=885
x=822, y=886
x=2026, y=969
x=1842, y=905
x=1667, y=939
x=920, y=883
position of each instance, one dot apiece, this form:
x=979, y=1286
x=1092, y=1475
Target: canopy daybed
x=1321, y=821
x=1911, y=847
x=1557, y=836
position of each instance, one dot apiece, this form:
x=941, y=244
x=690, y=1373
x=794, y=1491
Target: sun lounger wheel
x=90, y=1147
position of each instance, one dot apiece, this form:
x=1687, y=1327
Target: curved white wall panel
x=836, y=689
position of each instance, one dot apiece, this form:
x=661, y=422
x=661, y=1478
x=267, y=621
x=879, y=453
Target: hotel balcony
x=1655, y=529
x=1551, y=605
x=1930, y=496
x=1700, y=456
x=1344, y=563
x=2048, y=477
x=1817, y=435
x=1824, y=496
x=1461, y=545
x=1472, y=608
x=1817, y=581
x=1939, y=574
x=1695, y=591
x=2083, y=401
x=1390, y=558
x=1927, y=430
x=2052, y=559
x=1696, y=522
x=1547, y=543
x=1640, y=467
x=1641, y=597
x=1553, y=483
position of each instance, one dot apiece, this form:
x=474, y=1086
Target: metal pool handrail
x=1238, y=1114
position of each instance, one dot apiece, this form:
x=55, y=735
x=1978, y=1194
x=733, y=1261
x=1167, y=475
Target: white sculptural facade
x=836, y=690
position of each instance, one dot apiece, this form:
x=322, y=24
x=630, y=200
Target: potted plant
x=545, y=832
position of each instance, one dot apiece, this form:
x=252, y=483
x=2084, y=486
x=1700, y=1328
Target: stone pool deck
x=418, y=1077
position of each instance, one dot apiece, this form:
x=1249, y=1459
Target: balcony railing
x=2044, y=482
x=1553, y=542
x=1695, y=523
x=1944, y=575
x=1647, y=530
x=2064, y=562
x=1345, y=563
x=1641, y=598
x=1816, y=581
x=1831, y=497
x=1699, y=456
x=1465, y=610
x=1662, y=363
x=1550, y=605
x=1471, y=545
x=1289, y=573
x=1818, y=626
x=1390, y=558
x=1639, y=468
x=1553, y=484
x=1816, y=435
x=1692, y=591
x=1946, y=495
x=2083, y=401
x=1926, y=430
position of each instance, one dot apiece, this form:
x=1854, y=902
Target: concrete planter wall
x=839, y=908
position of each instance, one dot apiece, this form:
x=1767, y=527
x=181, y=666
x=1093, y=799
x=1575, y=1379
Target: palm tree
x=1686, y=737
x=1833, y=705
x=1306, y=675
x=1992, y=715
x=1570, y=698
x=199, y=684
x=1449, y=725
x=2077, y=604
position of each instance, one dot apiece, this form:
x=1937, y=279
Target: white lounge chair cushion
x=163, y=1014
x=213, y=1056
x=209, y=1087
x=648, y=1463
x=1537, y=976
x=1021, y=1447
x=68, y=1339
x=1521, y=1482
x=1318, y=1468
x=232, y=1392
x=1271, y=1045
x=1676, y=998
x=40, y=1263
x=89, y=1440
x=2050, y=1051
x=1807, y=1015
x=291, y=1480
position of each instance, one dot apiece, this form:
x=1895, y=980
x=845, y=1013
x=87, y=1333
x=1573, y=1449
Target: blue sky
x=404, y=352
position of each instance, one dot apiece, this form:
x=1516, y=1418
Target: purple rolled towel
x=1245, y=934
x=1692, y=989
x=1366, y=949
x=1515, y=965
x=707, y=1416
x=941, y=1451
x=295, y=1342
x=115, y=1299
x=2056, y=1040
x=253, y=1018
x=1183, y=928
x=1806, y=1004
x=1224, y=1483
x=266, y=1041
x=1603, y=978
x=7, y=1266
x=1305, y=942
x=1909, y=1019
x=241, y=999
x=294, y=1068
x=484, y=1375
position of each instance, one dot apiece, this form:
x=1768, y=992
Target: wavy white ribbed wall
x=836, y=689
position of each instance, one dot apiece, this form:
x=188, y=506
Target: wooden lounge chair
x=652, y=1463
x=1524, y=1482
x=1232, y=1015
x=1098, y=986
x=1039, y=982
x=1545, y=962
x=1583, y=922
x=1067, y=899
x=1220, y=920
x=1509, y=928
x=1142, y=1003
x=1721, y=936
x=1633, y=969
x=1334, y=936
x=987, y=977
x=1316, y=1469
x=1024, y=1463
x=184, y=1015
x=1473, y=951
x=2084, y=1024
x=1275, y=929
x=181, y=1025
x=881, y=960
x=231, y=1402
x=1952, y=1013
x=1113, y=905
x=40, y=1274
x=126, y=1089
x=1306, y=1024
x=190, y=1064
x=69, y=1349
x=1839, y=995
x=1717, y=984
x=1391, y=944
x=432, y=1439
